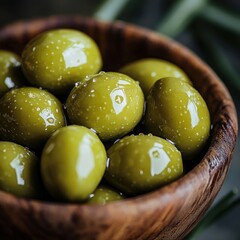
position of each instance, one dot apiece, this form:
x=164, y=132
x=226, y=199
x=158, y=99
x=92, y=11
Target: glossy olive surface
x=176, y=111
x=141, y=163
x=104, y=194
x=111, y=103
x=10, y=71
x=148, y=70
x=58, y=58
x=29, y=115
x=19, y=171
x=73, y=163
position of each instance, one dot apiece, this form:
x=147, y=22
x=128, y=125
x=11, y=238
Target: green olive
x=177, y=111
x=19, y=171
x=104, y=194
x=110, y=103
x=73, y=163
x=10, y=71
x=148, y=70
x=141, y=163
x=57, y=59
x=29, y=115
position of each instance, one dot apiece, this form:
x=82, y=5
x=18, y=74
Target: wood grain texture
x=167, y=213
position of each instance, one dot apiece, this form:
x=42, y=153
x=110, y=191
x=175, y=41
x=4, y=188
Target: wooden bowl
x=167, y=213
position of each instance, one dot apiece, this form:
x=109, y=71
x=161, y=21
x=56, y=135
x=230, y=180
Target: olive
x=73, y=162
x=10, y=71
x=104, y=194
x=19, y=171
x=148, y=70
x=56, y=59
x=110, y=103
x=29, y=115
x=176, y=111
x=141, y=163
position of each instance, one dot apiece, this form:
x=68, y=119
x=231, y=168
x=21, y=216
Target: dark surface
x=147, y=15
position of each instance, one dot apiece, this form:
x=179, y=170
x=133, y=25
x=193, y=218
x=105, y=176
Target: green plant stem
x=225, y=210
x=221, y=18
x=220, y=60
x=179, y=16
x=218, y=210
x=110, y=9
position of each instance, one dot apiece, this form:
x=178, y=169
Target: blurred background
x=209, y=28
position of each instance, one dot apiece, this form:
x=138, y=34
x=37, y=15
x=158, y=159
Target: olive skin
x=10, y=71
x=73, y=162
x=104, y=194
x=28, y=116
x=19, y=171
x=148, y=70
x=176, y=111
x=141, y=163
x=57, y=59
x=110, y=103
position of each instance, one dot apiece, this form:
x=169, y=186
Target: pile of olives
x=71, y=132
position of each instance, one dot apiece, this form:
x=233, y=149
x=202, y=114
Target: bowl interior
x=167, y=213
